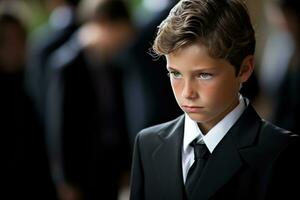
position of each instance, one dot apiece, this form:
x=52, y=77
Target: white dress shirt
x=212, y=138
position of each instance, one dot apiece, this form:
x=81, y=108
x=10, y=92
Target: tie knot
x=200, y=150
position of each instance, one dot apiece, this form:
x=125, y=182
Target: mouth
x=192, y=109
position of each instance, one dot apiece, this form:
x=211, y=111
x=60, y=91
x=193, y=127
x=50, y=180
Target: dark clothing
x=26, y=171
x=94, y=136
x=255, y=160
x=287, y=105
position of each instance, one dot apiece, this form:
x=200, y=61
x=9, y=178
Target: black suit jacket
x=255, y=160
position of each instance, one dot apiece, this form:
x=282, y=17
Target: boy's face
x=204, y=87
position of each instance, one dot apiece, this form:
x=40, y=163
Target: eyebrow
x=196, y=70
x=171, y=68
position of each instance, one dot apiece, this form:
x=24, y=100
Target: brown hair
x=223, y=26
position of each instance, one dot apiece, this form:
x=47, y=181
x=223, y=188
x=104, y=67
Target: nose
x=189, y=90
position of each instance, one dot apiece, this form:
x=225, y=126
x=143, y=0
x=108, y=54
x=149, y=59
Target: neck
x=205, y=127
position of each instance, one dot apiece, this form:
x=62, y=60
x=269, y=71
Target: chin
x=197, y=117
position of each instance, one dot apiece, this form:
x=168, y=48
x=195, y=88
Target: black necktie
x=201, y=154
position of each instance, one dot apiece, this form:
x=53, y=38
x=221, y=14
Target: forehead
x=193, y=57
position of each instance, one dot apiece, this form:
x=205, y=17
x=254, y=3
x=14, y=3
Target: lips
x=192, y=109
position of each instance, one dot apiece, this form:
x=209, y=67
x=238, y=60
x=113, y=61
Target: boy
x=220, y=148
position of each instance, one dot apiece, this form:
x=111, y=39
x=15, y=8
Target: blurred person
x=287, y=104
x=26, y=173
x=220, y=148
x=84, y=106
x=61, y=24
x=275, y=59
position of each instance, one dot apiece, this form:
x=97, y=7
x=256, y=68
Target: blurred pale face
x=205, y=88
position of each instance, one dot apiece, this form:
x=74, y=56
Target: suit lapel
x=167, y=157
x=220, y=167
x=226, y=159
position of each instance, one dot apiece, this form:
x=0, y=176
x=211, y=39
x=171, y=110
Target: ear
x=246, y=69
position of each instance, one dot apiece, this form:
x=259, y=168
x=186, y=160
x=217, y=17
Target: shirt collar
x=215, y=135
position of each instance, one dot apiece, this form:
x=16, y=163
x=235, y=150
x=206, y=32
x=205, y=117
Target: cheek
x=219, y=92
x=176, y=87
x=210, y=94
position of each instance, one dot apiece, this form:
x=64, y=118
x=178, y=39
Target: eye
x=204, y=76
x=174, y=74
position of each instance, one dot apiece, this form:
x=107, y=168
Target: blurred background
x=78, y=83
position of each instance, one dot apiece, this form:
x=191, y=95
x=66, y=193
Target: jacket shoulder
x=277, y=138
x=162, y=128
x=148, y=139
x=277, y=132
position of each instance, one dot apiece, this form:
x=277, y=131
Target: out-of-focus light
x=155, y=5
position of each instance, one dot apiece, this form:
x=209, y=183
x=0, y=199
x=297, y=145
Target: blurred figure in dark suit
x=50, y=36
x=84, y=106
x=43, y=42
x=287, y=111
x=26, y=173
